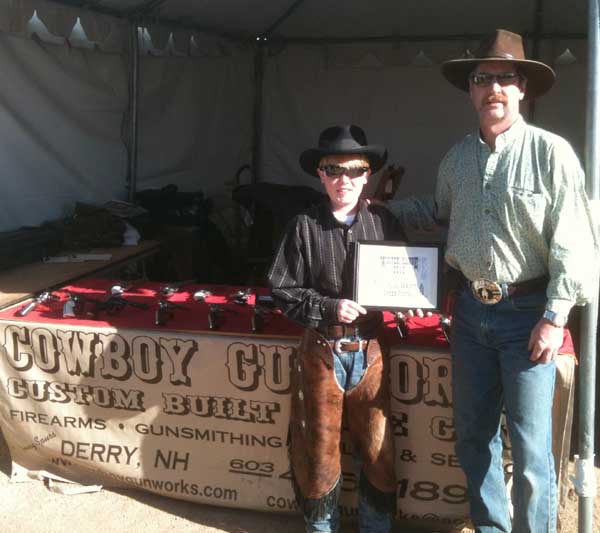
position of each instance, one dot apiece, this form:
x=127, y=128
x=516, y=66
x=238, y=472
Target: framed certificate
x=397, y=277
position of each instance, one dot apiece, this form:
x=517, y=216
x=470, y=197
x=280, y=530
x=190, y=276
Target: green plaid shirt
x=515, y=213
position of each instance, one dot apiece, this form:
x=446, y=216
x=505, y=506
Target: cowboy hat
x=502, y=45
x=343, y=140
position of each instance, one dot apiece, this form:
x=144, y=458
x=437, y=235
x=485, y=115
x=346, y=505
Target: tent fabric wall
x=65, y=109
x=195, y=121
x=61, y=113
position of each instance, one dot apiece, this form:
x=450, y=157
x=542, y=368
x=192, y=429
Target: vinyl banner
x=196, y=417
x=204, y=417
x=431, y=484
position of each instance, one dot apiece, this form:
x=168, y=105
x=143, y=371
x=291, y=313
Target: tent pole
x=259, y=72
x=538, y=15
x=585, y=481
x=259, y=60
x=134, y=74
x=282, y=18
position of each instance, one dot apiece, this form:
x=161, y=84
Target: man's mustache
x=495, y=99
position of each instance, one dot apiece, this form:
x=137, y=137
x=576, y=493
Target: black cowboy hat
x=343, y=140
x=502, y=45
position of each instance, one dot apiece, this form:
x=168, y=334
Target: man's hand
x=414, y=312
x=544, y=341
x=348, y=311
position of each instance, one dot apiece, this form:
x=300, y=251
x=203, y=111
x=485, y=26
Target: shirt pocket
x=527, y=209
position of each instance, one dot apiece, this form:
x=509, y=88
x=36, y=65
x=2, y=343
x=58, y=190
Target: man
x=340, y=368
x=520, y=234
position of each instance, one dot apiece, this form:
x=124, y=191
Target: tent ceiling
x=355, y=19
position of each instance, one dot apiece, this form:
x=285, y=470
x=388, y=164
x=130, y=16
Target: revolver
x=171, y=288
x=164, y=311
x=113, y=304
x=446, y=325
x=401, y=326
x=41, y=298
x=241, y=297
x=75, y=305
x=201, y=295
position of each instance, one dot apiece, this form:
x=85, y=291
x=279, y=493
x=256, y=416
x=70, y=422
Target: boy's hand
x=348, y=311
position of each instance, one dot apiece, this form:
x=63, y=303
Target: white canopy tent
x=223, y=83
x=65, y=105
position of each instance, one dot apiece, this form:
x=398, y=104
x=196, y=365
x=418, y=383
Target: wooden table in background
x=23, y=282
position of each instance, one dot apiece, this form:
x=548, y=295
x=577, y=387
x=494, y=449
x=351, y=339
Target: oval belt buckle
x=337, y=346
x=486, y=291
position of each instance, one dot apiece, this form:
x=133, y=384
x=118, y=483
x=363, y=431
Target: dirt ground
x=32, y=508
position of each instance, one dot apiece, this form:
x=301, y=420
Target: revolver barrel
x=28, y=308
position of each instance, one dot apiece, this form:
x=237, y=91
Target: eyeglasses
x=336, y=171
x=483, y=79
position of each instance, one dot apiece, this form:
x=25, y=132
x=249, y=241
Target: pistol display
x=76, y=304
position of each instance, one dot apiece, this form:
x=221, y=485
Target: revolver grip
x=160, y=318
x=69, y=309
x=213, y=318
x=257, y=322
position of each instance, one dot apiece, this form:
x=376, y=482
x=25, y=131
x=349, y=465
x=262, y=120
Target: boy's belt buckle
x=337, y=346
x=486, y=291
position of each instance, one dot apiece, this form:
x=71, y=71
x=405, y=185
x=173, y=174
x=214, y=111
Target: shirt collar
x=507, y=137
x=362, y=207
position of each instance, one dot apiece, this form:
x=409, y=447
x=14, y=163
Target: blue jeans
x=349, y=369
x=492, y=370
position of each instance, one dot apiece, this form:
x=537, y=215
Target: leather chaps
x=318, y=404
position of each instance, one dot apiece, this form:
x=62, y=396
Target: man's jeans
x=492, y=370
x=349, y=369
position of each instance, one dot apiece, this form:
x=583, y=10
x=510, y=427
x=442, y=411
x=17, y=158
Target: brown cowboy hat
x=502, y=45
x=343, y=140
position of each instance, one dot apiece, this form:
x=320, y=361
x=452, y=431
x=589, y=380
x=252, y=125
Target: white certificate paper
x=394, y=276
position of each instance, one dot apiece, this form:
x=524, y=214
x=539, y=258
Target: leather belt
x=339, y=331
x=346, y=345
x=491, y=292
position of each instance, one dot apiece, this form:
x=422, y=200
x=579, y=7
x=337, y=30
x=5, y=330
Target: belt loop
x=504, y=287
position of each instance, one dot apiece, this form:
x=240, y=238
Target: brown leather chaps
x=318, y=404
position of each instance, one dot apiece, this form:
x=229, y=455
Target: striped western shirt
x=313, y=267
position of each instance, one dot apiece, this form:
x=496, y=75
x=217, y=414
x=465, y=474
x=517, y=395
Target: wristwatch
x=556, y=319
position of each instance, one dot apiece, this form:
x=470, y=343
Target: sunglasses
x=336, y=171
x=483, y=79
